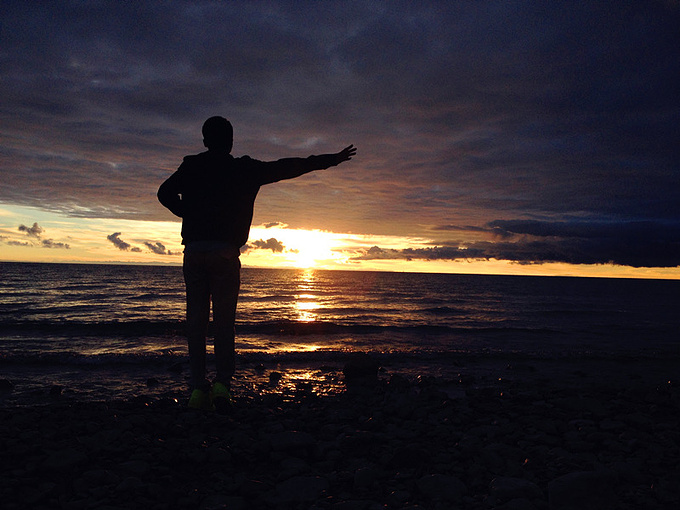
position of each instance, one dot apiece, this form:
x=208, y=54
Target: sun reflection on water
x=306, y=300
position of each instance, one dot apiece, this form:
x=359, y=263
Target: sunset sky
x=493, y=136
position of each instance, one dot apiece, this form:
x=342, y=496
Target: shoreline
x=540, y=434
x=27, y=384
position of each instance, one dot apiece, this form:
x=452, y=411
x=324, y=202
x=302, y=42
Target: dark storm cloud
x=463, y=112
x=120, y=244
x=646, y=231
x=635, y=244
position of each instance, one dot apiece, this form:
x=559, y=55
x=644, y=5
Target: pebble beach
x=502, y=434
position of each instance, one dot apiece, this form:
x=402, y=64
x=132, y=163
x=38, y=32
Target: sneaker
x=221, y=397
x=201, y=400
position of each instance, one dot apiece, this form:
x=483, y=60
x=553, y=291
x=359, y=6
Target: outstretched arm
x=290, y=168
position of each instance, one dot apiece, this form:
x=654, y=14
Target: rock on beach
x=583, y=490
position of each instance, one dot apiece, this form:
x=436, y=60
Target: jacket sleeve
x=289, y=168
x=170, y=193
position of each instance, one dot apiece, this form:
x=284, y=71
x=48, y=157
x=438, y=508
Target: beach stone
x=505, y=488
x=41, y=492
x=130, y=484
x=612, y=426
x=408, y=457
x=398, y=498
x=354, y=504
x=301, y=489
x=497, y=455
x=398, y=382
x=137, y=467
x=223, y=502
x=364, y=477
x=218, y=455
x=100, y=477
x=292, y=441
x=253, y=488
x=360, y=369
x=275, y=378
x=152, y=382
x=631, y=471
x=357, y=442
x=292, y=466
x=64, y=460
x=517, y=504
x=666, y=491
x=441, y=487
x=176, y=368
x=582, y=490
x=640, y=421
x=590, y=405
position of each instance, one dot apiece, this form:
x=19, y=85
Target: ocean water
x=102, y=331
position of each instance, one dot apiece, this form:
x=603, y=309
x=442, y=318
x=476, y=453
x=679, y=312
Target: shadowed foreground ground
x=525, y=441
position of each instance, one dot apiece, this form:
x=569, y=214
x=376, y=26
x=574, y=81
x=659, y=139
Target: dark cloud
x=273, y=224
x=628, y=231
x=34, y=231
x=120, y=244
x=270, y=244
x=429, y=253
x=49, y=243
x=158, y=248
x=635, y=244
x=461, y=228
x=463, y=112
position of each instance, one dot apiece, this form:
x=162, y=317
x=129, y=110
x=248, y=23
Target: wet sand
x=502, y=434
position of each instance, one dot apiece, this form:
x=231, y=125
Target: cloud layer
x=635, y=244
x=547, y=130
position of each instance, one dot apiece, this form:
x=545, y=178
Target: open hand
x=345, y=154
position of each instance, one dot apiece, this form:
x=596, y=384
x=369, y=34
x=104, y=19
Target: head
x=218, y=134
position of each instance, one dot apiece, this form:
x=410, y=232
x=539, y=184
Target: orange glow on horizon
x=88, y=242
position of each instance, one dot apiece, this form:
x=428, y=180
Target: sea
x=96, y=332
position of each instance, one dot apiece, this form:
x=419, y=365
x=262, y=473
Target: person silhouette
x=214, y=194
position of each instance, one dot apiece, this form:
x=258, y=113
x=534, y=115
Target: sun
x=301, y=248
x=312, y=248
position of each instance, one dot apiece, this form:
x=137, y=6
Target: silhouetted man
x=214, y=194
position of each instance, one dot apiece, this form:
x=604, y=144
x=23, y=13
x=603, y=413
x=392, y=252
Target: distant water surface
x=66, y=319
